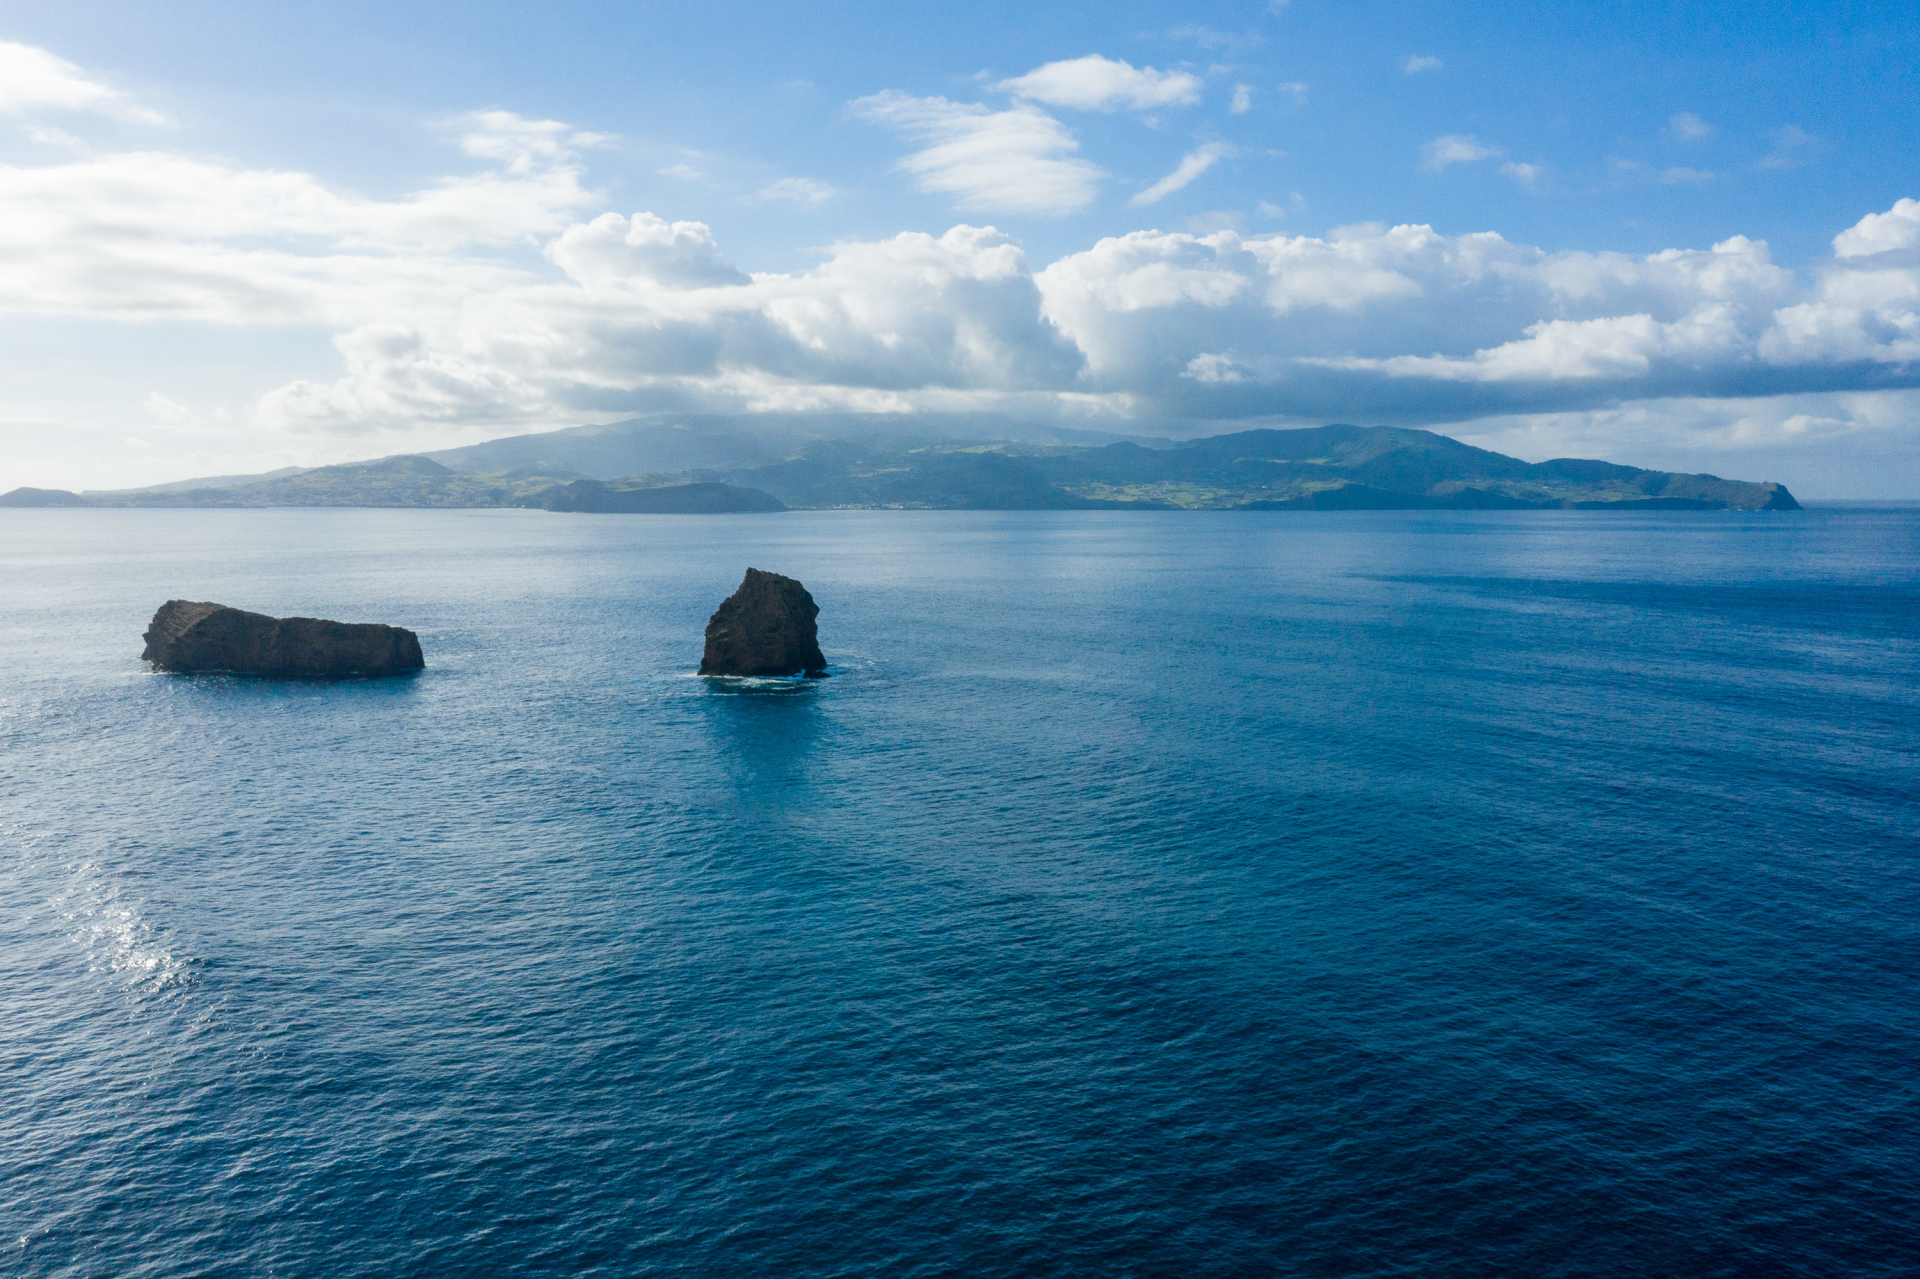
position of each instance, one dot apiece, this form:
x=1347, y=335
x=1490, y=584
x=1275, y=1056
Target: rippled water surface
x=1145, y=894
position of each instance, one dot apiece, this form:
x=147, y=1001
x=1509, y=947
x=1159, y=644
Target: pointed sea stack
x=765, y=628
x=190, y=638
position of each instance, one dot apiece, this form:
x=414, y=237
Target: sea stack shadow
x=766, y=627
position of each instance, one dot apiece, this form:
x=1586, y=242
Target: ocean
x=1144, y=894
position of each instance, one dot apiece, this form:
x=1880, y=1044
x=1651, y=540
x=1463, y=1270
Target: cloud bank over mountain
x=507, y=296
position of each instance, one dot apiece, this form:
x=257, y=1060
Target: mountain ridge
x=1339, y=466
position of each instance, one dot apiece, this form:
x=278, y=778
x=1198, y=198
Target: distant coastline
x=644, y=467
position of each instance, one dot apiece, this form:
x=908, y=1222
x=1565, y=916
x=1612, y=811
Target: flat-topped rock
x=765, y=628
x=196, y=638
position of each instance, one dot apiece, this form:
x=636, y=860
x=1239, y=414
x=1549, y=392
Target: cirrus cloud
x=1019, y=160
x=32, y=79
x=1094, y=83
x=1191, y=166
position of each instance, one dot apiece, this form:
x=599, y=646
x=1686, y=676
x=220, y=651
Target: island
x=731, y=466
x=190, y=637
x=767, y=627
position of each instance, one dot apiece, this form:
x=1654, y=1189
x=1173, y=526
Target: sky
x=238, y=237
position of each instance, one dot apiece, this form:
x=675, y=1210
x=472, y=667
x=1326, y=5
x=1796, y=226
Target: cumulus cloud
x=1242, y=99
x=1455, y=148
x=1094, y=83
x=33, y=80
x=1415, y=63
x=1191, y=166
x=612, y=250
x=441, y=315
x=1014, y=161
x=1405, y=323
x=1897, y=228
x=638, y=311
x=652, y=315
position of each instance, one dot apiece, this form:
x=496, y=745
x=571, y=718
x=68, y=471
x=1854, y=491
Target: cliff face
x=189, y=637
x=765, y=628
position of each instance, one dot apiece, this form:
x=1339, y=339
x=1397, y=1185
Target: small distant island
x=642, y=467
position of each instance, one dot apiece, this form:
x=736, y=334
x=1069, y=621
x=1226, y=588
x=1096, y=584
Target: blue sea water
x=1343, y=894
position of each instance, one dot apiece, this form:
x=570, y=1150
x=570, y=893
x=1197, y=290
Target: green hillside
x=1322, y=468
x=1336, y=467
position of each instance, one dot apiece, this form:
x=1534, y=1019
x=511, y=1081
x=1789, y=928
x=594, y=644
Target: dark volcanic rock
x=668, y=499
x=197, y=638
x=765, y=628
x=41, y=497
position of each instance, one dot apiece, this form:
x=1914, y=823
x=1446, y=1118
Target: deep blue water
x=1360, y=894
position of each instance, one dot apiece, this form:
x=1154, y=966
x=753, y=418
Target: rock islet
x=767, y=627
x=193, y=637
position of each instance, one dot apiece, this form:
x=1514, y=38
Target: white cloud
x=1295, y=89
x=43, y=136
x=1296, y=204
x=611, y=251
x=442, y=319
x=1013, y=161
x=1415, y=63
x=1191, y=166
x=1389, y=323
x=1690, y=127
x=1213, y=368
x=161, y=409
x=520, y=145
x=1681, y=174
x=158, y=236
x=1827, y=444
x=33, y=79
x=804, y=192
x=1455, y=148
x=1793, y=147
x=1527, y=175
x=1897, y=228
x=1242, y=99
x=1376, y=321
x=1094, y=83
x=654, y=316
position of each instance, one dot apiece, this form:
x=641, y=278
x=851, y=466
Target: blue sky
x=244, y=237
